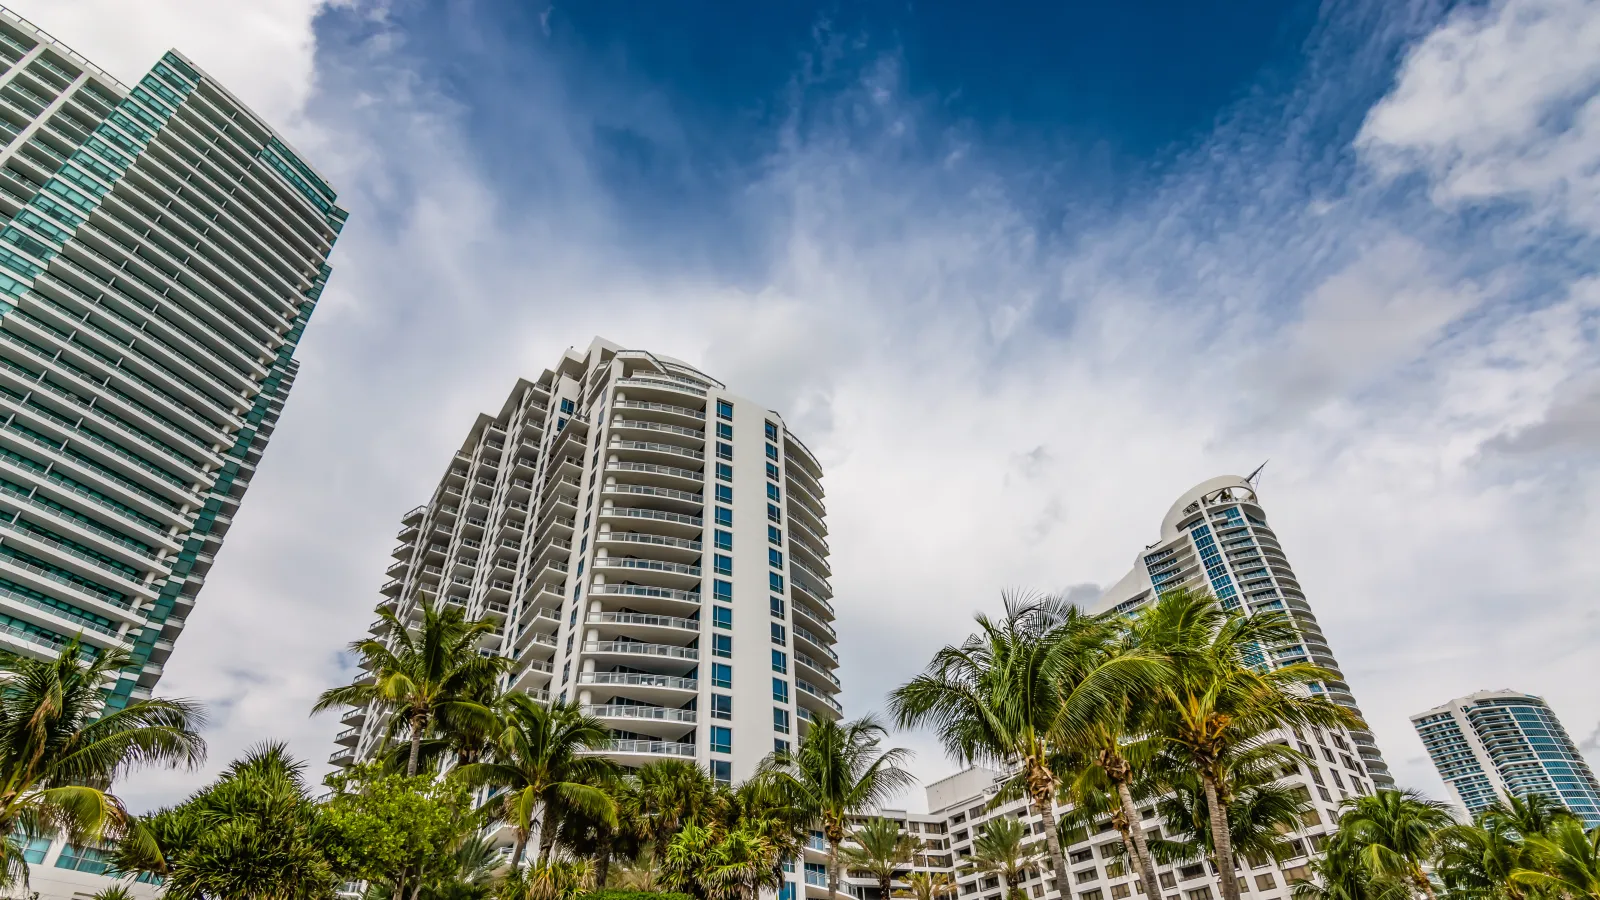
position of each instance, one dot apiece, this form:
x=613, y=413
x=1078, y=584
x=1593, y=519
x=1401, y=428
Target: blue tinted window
x=722, y=564
x=780, y=690
x=724, y=516
x=725, y=451
x=721, y=675
x=721, y=739
x=722, y=590
x=724, y=540
x=724, y=493
x=774, y=557
x=721, y=706
x=724, y=409
x=772, y=432
x=724, y=471
x=725, y=431
x=722, y=645
x=780, y=661
x=722, y=616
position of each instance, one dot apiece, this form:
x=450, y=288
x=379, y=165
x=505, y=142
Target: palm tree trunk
x=1422, y=881
x=602, y=862
x=418, y=723
x=1221, y=839
x=1043, y=792
x=1141, y=845
x=517, y=850
x=833, y=870
x=885, y=888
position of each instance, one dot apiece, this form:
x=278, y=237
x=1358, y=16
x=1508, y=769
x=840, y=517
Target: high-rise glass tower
x=161, y=251
x=1496, y=744
x=1216, y=539
x=654, y=549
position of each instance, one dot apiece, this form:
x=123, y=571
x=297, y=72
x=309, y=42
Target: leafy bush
x=619, y=894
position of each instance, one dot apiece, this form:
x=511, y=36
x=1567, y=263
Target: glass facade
x=161, y=250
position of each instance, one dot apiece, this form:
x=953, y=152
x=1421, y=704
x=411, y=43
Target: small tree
x=881, y=850
x=380, y=824
x=1394, y=834
x=1002, y=849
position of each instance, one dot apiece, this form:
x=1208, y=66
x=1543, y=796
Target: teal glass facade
x=161, y=251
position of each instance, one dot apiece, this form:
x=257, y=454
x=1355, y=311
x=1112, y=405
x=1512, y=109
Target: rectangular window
x=775, y=581
x=774, y=513
x=772, y=453
x=722, y=564
x=724, y=540
x=721, y=706
x=772, y=432
x=722, y=645
x=780, y=720
x=777, y=606
x=1119, y=892
x=568, y=407
x=779, y=635
x=773, y=494
x=774, y=535
x=774, y=557
x=780, y=690
x=725, y=431
x=722, y=590
x=780, y=747
x=724, y=493
x=1265, y=882
x=724, y=472
x=722, y=617
x=772, y=471
x=721, y=675
x=724, y=409
x=780, y=661
x=724, y=516
x=724, y=451
x=722, y=771
x=721, y=739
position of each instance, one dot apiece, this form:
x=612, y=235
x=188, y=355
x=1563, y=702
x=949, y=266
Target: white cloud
x=994, y=405
x=1501, y=102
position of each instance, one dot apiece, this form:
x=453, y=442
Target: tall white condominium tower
x=1496, y=744
x=161, y=252
x=653, y=546
x=1216, y=538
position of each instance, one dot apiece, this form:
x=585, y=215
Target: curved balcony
x=652, y=452
x=661, y=545
x=666, y=497
x=670, y=413
x=660, y=721
x=659, y=689
x=816, y=671
x=658, y=521
x=661, y=390
x=641, y=430
x=815, y=607
x=799, y=512
x=658, y=474
x=672, y=574
x=817, y=630
x=818, y=701
x=640, y=753
x=667, y=601
x=643, y=626
x=630, y=652
x=811, y=643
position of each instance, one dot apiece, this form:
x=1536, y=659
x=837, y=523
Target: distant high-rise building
x=1216, y=539
x=161, y=249
x=1496, y=744
x=653, y=546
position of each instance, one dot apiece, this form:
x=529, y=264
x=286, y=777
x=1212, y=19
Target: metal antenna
x=1254, y=478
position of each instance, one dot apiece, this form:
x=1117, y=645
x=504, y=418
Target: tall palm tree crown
x=1568, y=860
x=1002, y=849
x=838, y=770
x=1394, y=833
x=61, y=747
x=880, y=850
x=1017, y=691
x=435, y=676
x=539, y=758
x=1221, y=697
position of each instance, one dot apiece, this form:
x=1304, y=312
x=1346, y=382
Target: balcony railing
x=629, y=711
x=639, y=679
x=663, y=748
x=637, y=648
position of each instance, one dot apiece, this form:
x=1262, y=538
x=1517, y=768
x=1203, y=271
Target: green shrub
x=621, y=894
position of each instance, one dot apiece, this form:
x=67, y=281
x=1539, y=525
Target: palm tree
x=1568, y=861
x=837, y=771
x=881, y=849
x=1001, y=849
x=435, y=676
x=1014, y=691
x=61, y=748
x=1477, y=861
x=539, y=759
x=1261, y=810
x=663, y=796
x=254, y=833
x=928, y=886
x=1339, y=875
x=1528, y=816
x=1220, y=697
x=712, y=864
x=1394, y=834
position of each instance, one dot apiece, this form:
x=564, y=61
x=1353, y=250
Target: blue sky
x=1020, y=276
